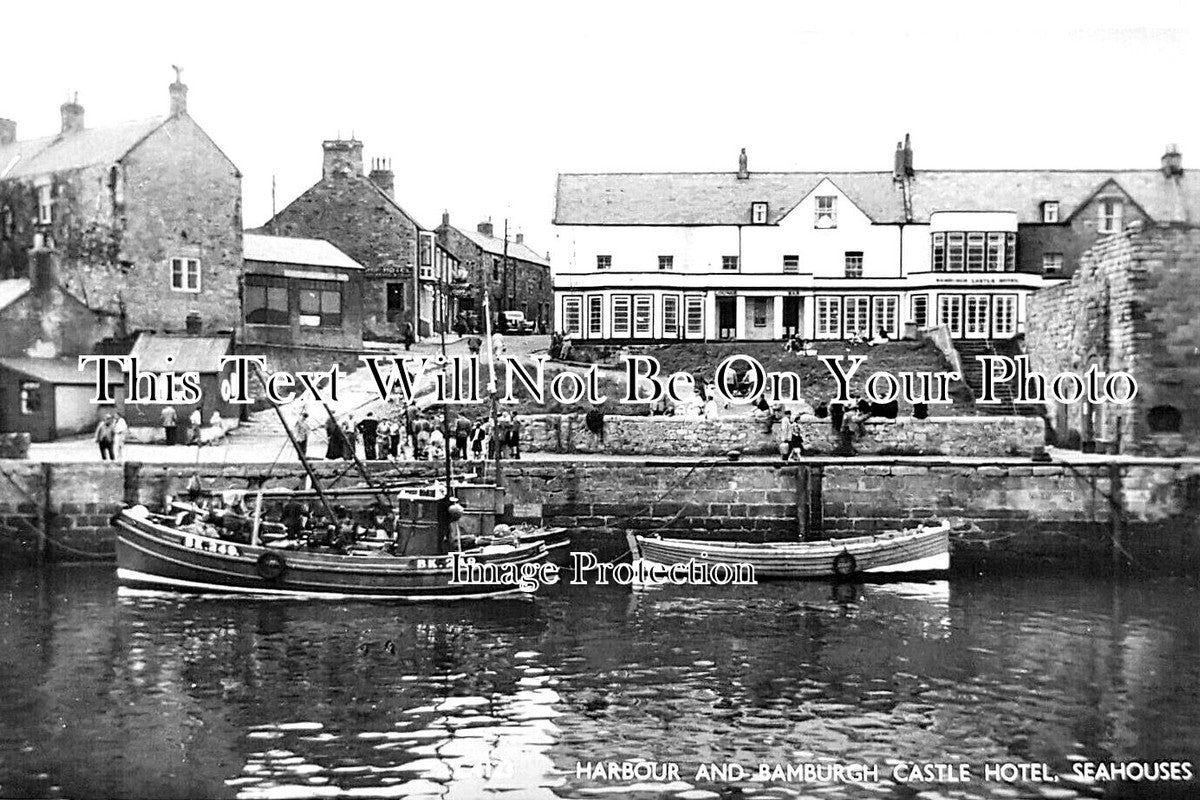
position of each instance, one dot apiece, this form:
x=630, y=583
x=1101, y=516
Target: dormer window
x=1110, y=215
x=826, y=212
x=758, y=213
x=1050, y=211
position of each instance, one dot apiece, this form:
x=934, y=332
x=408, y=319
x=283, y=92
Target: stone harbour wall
x=1011, y=512
x=663, y=436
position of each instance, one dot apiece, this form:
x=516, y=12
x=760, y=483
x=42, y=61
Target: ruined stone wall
x=666, y=436
x=1133, y=306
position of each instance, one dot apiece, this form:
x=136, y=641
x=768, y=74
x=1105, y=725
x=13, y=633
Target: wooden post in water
x=1116, y=491
x=802, y=501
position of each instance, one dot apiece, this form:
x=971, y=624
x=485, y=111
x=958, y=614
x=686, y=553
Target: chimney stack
x=43, y=273
x=485, y=228
x=343, y=158
x=178, y=91
x=519, y=238
x=902, y=165
x=72, y=116
x=1172, y=162
x=8, y=132
x=445, y=219
x=743, y=166
x=382, y=176
x=194, y=323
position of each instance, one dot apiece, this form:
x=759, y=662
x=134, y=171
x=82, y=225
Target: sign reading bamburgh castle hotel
x=828, y=255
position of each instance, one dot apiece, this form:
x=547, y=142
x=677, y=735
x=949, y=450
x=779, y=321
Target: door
x=977, y=319
x=950, y=313
x=791, y=316
x=726, y=318
x=395, y=302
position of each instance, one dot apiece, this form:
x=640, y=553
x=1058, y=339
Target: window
x=603, y=262
x=642, y=316
x=954, y=252
x=620, y=316
x=45, y=205
x=975, y=252
x=1164, y=419
x=1004, y=315
x=495, y=268
x=666, y=262
x=950, y=313
x=595, y=308
x=829, y=320
x=185, y=274
x=1110, y=215
x=939, y=252
x=854, y=264
x=694, y=309
x=1050, y=211
x=884, y=313
x=572, y=308
x=320, y=304
x=758, y=213
x=1010, y=252
x=791, y=264
x=1052, y=263
x=670, y=315
x=826, y=212
x=31, y=397
x=920, y=310
x=265, y=301
x=425, y=254
x=857, y=315
x=760, y=311
x=995, y=252
x=729, y=262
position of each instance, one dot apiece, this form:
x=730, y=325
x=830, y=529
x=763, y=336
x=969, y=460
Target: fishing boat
x=160, y=551
x=925, y=549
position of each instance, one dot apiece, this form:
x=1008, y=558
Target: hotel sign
x=979, y=281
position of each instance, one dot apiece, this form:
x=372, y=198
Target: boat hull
x=154, y=555
x=923, y=550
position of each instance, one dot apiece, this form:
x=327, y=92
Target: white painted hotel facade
x=762, y=256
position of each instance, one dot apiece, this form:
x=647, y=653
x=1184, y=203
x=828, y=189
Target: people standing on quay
x=195, y=420
x=462, y=436
x=170, y=423
x=383, y=440
x=106, y=433
x=300, y=432
x=349, y=438
x=120, y=433
x=504, y=426
x=409, y=336
x=368, y=429
x=333, y=434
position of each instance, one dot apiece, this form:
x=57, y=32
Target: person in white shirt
x=120, y=431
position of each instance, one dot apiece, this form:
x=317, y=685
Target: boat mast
x=300, y=452
x=491, y=387
x=445, y=287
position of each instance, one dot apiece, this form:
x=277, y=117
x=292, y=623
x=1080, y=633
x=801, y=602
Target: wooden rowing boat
x=917, y=550
x=154, y=553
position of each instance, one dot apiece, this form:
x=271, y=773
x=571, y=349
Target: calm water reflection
x=163, y=696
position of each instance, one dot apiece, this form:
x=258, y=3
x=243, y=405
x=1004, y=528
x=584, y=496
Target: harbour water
x=110, y=694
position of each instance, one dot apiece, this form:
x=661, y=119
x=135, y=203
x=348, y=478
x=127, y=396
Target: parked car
x=514, y=322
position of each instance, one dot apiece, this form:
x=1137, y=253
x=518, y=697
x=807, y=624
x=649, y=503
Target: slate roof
x=90, y=146
x=200, y=354
x=295, y=250
x=12, y=290
x=719, y=198
x=495, y=246
x=52, y=370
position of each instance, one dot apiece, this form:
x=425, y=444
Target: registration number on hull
x=210, y=546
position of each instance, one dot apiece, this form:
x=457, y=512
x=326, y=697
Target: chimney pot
x=446, y=219
x=485, y=228
x=743, y=166
x=520, y=238
x=178, y=92
x=194, y=323
x=343, y=158
x=44, y=272
x=382, y=176
x=1172, y=162
x=72, y=116
x=8, y=132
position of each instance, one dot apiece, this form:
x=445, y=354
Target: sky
x=479, y=105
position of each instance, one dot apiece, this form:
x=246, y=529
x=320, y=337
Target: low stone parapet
x=667, y=436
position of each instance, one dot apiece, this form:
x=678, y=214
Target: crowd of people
x=415, y=433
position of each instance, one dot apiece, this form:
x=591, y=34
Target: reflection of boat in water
x=918, y=550
x=160, y=551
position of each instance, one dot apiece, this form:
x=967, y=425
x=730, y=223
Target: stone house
x=1133, y=305
x=358, y=213
x=516, y=277
x=144, y=218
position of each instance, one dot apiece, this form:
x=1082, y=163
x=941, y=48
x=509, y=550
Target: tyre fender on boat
x=844, y=564
x=271, y=566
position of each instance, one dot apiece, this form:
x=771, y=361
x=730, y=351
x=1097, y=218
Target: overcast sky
x=480, y=105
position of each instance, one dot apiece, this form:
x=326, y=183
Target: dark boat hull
x=151, y=555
